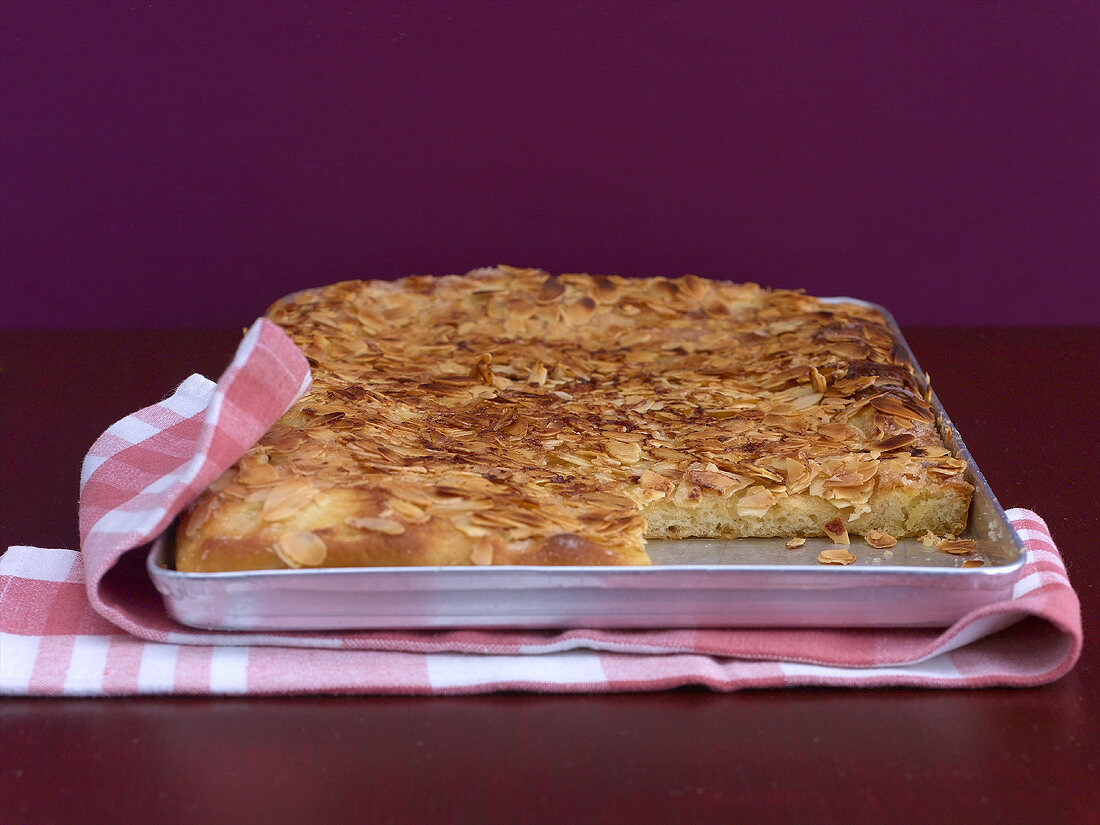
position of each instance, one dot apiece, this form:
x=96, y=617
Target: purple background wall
x=184, y=164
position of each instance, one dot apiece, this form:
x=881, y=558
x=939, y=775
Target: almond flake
x=606, y=290
x=301, y=548
x=817, y=381
x=388, y=526
x=756, y=503
x=957, y=547
x=892, y=405
x=538, y=375
x=551, y=290
x=624, y=451
x=880, y=540
x=581, y=311
x=722, y=482
x=256, y=471
x=894, y=442
x=836, y=531
x=482, y=554
x=286, y=499
x=835, y=555
x=655, y=481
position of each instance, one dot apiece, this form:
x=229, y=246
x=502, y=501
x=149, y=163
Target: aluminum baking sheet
x=691, y=583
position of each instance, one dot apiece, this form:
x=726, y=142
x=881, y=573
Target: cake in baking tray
x=511, y=417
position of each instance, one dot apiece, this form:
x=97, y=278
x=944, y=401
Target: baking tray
x=691, y=582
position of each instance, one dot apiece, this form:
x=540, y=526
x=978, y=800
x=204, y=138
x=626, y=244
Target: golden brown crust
x=512, y=417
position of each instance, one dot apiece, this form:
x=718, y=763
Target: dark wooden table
x=1027, y=403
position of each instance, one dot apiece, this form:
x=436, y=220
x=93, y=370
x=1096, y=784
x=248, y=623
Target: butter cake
x=509, y=416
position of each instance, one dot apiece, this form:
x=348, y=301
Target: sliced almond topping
x=241, y=492
x=628, y=452
x=389, y=526
x=581, y=311
x=845, y=479
x=945, y=466
x=286, y=499
x=880, y=540
x=520, y=308
x=289, y=442
x=853, y=350
x=551, y=290
x=301, y=548
x=223, y=481
x=407, y=510
x=198, y=515
x=794, y=543
x=835, y=555
x=722, y=482
x=538, y=375
x=607, y=500
x=256, y=473
x=972, y=563
x=933, y=451
x=463, y=524
x=836, y=531
x=806, y=401
x=957, y=547
x=669, y=454
x=481, y=368
x=693, y=286
x=655, y=481
x=518, y=428
x=606, y=291
x=717, y=309
x=836, y=431
x=817, y=380
x=894, y=442
x=482, y=554
x=850, y=386
x=894, y=406
x=756, y=503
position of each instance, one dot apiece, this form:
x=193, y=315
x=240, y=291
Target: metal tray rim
x=155, y=566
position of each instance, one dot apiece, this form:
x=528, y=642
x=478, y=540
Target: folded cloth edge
x=177, y=447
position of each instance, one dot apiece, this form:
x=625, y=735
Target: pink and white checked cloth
x=91, y=623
